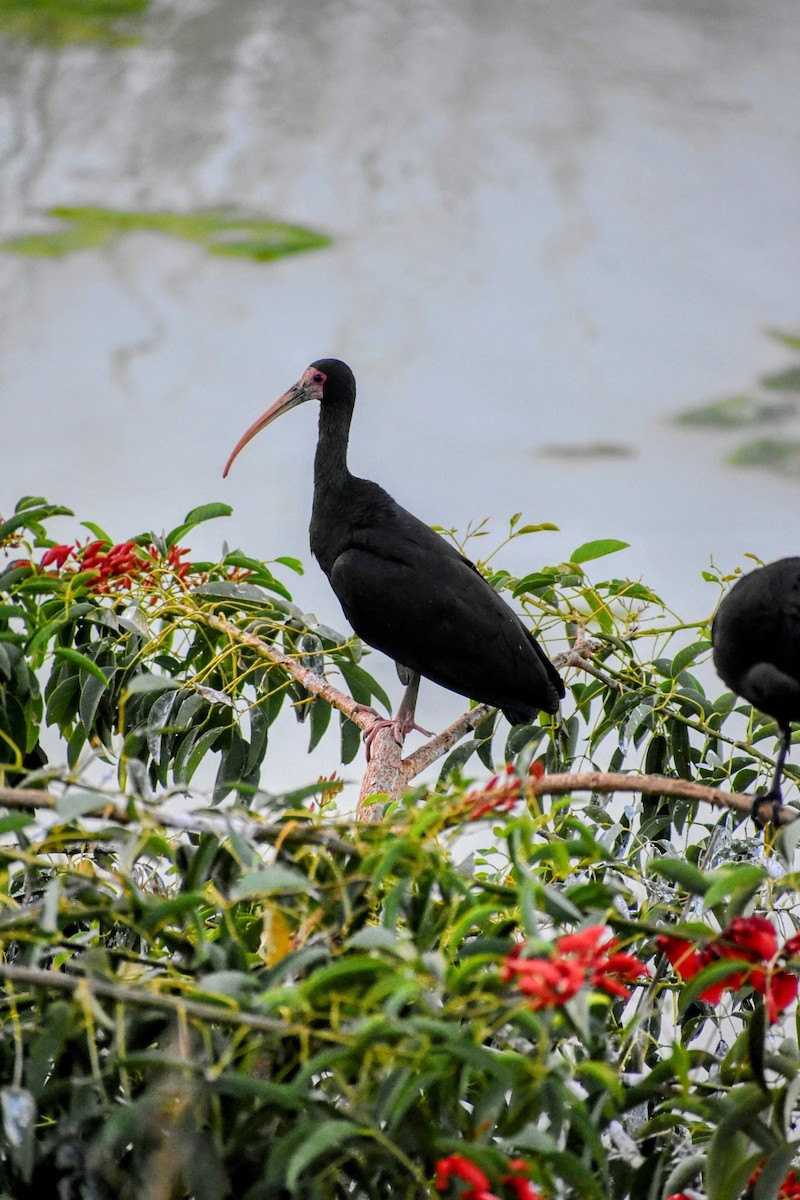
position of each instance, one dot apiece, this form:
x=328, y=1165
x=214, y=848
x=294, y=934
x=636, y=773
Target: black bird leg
x=402, y=723
x=773, y=796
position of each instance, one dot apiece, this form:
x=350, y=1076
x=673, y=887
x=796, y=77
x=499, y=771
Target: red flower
x=579, y=958
x=463, y=1168
x=688, y=961
x=791, y=948
x=585, y=942
x=174, y=556
x=607, y=967
x=779, y=989
x=120, y=563
x=57, y=555
x=790, y=1188
x=505, y=796
x=549, y=983
x=752, y=939
x=522, y=1188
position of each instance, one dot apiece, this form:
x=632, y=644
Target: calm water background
x=552, y=224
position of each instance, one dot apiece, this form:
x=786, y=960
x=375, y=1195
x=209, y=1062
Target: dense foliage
x=486, y=993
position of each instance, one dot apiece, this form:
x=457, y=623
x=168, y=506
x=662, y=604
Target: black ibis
x=403, y=588
x=756, y=640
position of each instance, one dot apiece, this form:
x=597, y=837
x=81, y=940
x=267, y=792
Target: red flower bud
x=57, y=555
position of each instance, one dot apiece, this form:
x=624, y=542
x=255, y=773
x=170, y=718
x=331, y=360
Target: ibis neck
x=330, y=464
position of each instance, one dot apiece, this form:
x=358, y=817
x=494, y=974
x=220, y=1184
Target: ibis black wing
x=412, y=595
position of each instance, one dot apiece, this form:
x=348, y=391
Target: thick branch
x=442, y=742
x=650, y=785
x=384, y=775
x=564, y=784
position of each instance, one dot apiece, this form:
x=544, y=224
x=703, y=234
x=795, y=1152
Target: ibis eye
x=319, y=377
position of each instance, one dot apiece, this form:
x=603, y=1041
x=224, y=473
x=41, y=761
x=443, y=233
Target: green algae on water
x=216, y=231
x=57, y=23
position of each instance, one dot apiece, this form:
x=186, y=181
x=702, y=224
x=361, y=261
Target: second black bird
x=756, y=640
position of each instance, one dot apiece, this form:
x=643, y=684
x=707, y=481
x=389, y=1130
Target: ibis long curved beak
x=305, y=389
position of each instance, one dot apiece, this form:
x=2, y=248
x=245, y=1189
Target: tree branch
x=649, y=785
x=564, y=784
x=316, y=684
x=442, y=742
x=141, y=997
x=295, y=832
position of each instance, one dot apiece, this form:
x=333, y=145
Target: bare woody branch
x=601, y=782
x=651, y=785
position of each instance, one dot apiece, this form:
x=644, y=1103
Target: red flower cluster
x=332, y=786
x=749, y=939
x=506, y=790
x=790, y=1188
x=119, y=565
x=590, y=957
x=462, y=1168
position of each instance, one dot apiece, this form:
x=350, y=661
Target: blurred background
x=558, y=244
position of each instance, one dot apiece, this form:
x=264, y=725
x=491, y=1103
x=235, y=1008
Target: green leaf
x=323, y=1138
x=714, y=973
x=46, y=631
x=678, y=870
x=206, y=512
x=735, y=412
x=738, y=877
x=688, y=655
x=597, y=549
x=362, y=686
x=792, y=340
x=257, y=238
x=187, y=763
x=76, y=804
x=545, y=526
x=268, y=881
x=14, y=821
x=149, y=683
x=779, y=455
x=100, y=534
x=786, y=380
x=29, y=518
x=350, y=740
x=321, y=713
x=280, y=1095
x=730, y=1150
x=294, y=564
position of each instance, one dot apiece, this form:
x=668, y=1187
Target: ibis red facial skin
x=756, y=639
x=403, y=588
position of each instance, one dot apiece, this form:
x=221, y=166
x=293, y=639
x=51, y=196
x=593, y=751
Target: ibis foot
x=402, y=724
x=773, y=796
x=399, y=729
x=774, y=799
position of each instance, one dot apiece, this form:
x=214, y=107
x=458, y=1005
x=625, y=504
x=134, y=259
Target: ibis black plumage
x=756, y=639
x=403, y=588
